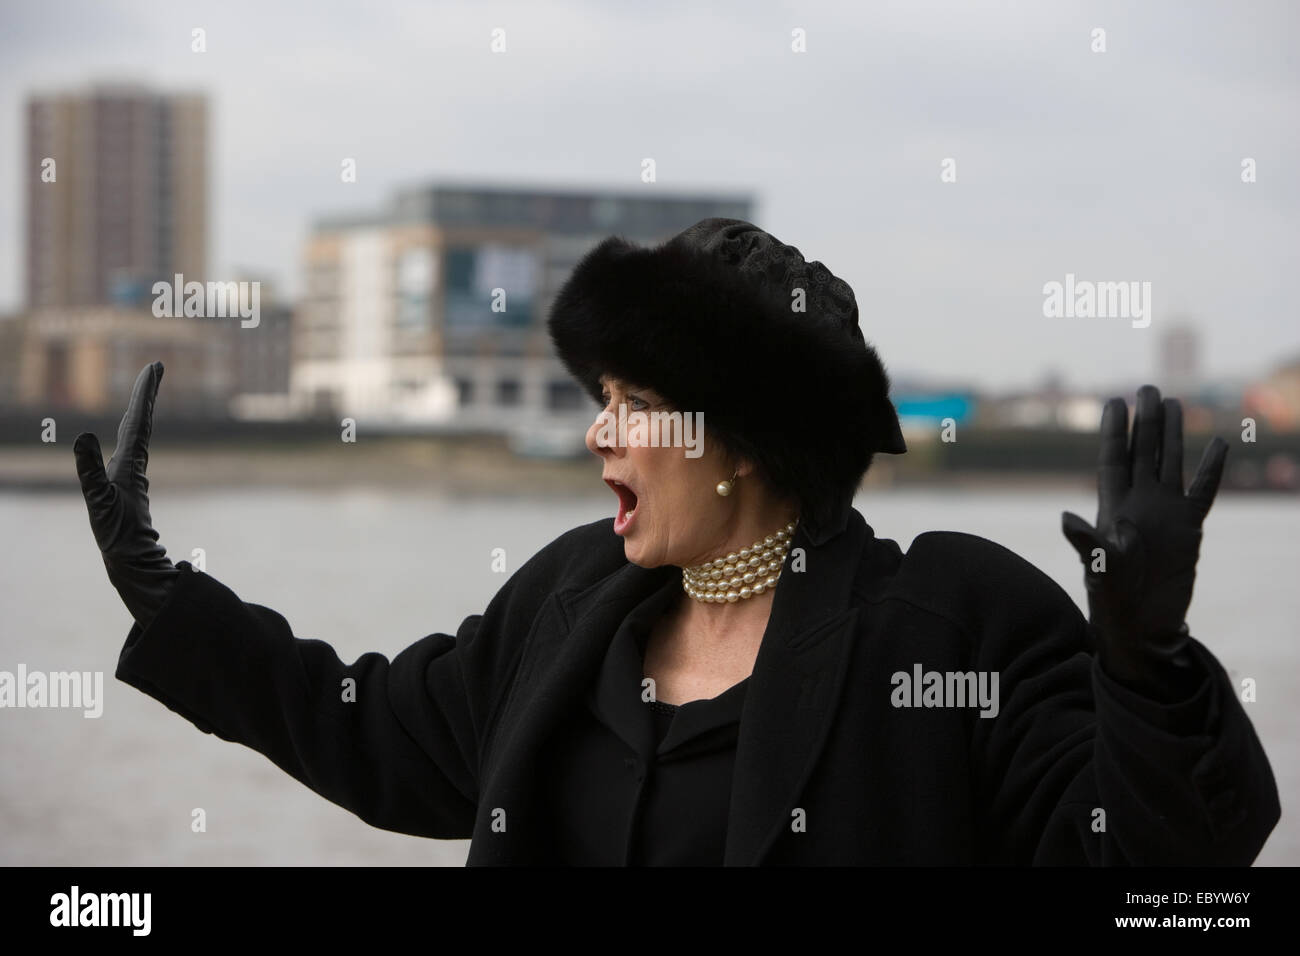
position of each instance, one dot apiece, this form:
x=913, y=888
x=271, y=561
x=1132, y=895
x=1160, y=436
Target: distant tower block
x=1179, y=362
x=128, y=205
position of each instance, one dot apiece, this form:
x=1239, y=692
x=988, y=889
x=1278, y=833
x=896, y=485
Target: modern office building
x=434, y=310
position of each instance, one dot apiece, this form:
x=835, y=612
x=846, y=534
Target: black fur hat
x=711, y=320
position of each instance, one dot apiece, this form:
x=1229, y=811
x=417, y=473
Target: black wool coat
x=445, y=740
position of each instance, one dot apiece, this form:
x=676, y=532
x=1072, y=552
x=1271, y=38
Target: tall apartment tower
x=116, y=193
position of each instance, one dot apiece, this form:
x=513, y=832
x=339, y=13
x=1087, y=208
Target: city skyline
x=1116, y=166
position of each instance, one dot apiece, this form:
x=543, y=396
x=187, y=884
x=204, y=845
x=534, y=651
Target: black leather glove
x=1150, y=533
x=118, y=503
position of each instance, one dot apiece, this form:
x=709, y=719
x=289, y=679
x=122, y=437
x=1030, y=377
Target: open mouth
x=627, y=505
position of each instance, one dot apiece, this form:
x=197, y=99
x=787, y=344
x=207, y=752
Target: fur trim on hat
x=797, y=394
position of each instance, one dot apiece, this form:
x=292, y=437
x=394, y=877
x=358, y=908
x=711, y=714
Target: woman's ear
x=732, y=462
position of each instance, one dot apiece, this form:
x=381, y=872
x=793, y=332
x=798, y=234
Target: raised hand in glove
x=118, y=503
x=1149, y=532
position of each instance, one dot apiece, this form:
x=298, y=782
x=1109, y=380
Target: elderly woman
x=735, y=669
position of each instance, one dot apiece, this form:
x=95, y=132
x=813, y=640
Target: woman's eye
x=635, y=402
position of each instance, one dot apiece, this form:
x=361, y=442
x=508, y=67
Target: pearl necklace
x=741, y=574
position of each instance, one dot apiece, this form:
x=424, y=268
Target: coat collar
x=792, y=696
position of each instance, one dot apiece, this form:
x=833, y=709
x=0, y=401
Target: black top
x=639, y=782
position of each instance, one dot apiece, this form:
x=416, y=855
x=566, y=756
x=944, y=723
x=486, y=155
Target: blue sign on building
x=934, y=408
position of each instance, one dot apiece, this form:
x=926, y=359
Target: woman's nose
x=602, y=436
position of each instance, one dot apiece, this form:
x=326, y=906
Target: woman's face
x=668, y=511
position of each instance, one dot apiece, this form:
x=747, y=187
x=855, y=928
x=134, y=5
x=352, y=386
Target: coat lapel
x=794, y=690
x=569, y=642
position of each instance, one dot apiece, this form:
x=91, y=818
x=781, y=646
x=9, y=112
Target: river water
x=375, y=570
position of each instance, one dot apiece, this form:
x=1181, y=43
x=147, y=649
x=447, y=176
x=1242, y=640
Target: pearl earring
x=724, y=487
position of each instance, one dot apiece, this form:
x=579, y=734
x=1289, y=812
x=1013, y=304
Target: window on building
x=414, y=280
x=473, y=273
x=464, y=391
x=563, y=396
x=508, y=391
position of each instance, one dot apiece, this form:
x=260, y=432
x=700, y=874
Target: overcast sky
x=1115, y=166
